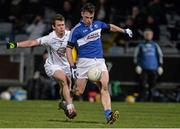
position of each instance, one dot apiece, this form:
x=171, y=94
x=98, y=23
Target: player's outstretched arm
x=115, y=28
x=23, y=44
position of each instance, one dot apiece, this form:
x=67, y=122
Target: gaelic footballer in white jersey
x=56, y=65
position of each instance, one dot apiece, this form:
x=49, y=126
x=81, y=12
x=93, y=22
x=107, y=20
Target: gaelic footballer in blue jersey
x=86, y=37
x=148, y=58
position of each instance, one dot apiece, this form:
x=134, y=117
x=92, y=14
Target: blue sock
x=107, y=112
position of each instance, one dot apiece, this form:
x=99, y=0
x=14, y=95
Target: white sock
x=70, y=106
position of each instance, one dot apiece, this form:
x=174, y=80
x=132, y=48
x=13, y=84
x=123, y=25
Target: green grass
x=44, y=114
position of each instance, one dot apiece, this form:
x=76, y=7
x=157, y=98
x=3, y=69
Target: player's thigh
x=51, y=68
x=84, y=64
x=153, y=79
x=60, y=73
x=80, y=85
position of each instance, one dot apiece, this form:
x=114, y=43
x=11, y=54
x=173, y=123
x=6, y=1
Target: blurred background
x=22, y=73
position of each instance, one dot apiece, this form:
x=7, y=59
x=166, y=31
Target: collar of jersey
x=85, y=24
x=56, y=37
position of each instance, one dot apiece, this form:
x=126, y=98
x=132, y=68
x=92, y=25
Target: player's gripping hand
x=128, y=32
x=11, y=45
x=73, y=71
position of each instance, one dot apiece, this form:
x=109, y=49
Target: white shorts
x=84, y=64
x=51, y=69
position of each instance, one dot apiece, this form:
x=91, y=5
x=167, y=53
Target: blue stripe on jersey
x=88, y=39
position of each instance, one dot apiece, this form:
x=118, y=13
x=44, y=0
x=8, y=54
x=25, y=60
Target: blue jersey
x=148, y=55
x=87, y=39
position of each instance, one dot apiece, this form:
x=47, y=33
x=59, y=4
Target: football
x=94, y=74
x=130, y=99
x=5, y=95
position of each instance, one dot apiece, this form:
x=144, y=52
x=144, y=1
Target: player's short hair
x=88, y=7
x=57, y=17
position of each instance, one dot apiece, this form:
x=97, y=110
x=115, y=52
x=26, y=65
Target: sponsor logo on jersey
x=89, y=37
x=148, y=50
x=61, y=51
x=92, y=36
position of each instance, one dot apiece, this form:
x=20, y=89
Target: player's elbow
x=32, y=43
x=68, y=49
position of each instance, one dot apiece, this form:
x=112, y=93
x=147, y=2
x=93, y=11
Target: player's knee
x=63, y=83
x=78, y=93
x=105, y=87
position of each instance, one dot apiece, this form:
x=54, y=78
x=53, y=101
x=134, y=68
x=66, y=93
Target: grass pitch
x=44, y=114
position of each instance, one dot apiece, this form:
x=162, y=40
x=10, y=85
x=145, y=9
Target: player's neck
x=86, y=24
x=146, y=40
x=60, y=35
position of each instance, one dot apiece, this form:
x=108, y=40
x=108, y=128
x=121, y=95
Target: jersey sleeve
x=72, y=38
x=104, y=26
x=136, y=55
x=159, y=54
x=44, y=40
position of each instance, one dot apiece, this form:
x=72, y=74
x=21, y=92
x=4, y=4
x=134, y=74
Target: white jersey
x=56, y=48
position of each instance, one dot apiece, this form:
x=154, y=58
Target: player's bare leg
x=111, y=116
x=60, y=76
x=105, y=96
x=63, y=82
x=79, y=86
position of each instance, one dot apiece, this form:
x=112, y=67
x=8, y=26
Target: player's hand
x=11, y=45
x=138, y=69
x=73, y=71
x=128, y=32
x=160, y=71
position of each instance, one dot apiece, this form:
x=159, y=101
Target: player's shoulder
x=45, y=37
x=154, y=42
x=67, y=32
x=51, y=34
x=76, y=27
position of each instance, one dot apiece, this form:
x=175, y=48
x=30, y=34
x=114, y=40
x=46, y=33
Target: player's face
x=59, y=27
x=148, y=35
x=87, y=17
